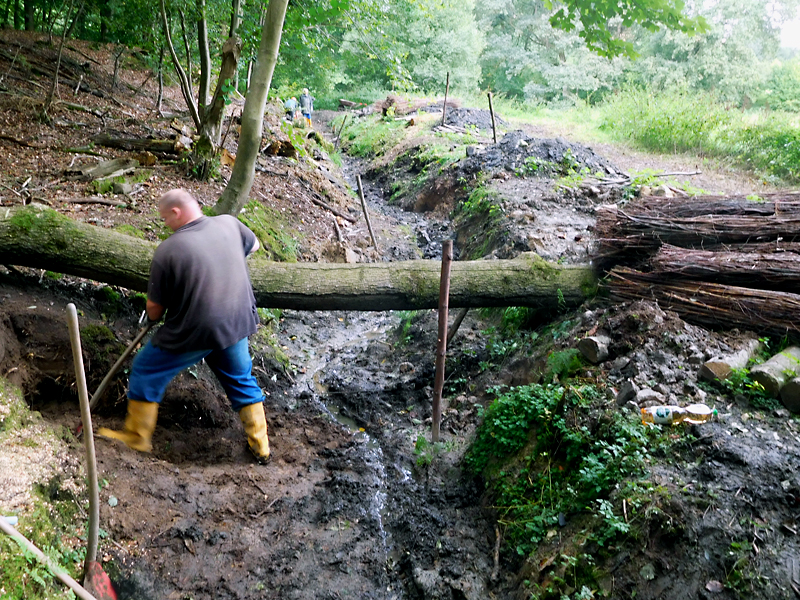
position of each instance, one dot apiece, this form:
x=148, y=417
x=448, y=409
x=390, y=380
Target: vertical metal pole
x=491, y=111
x=366, y=214
x=446, y=91
x=441, y=348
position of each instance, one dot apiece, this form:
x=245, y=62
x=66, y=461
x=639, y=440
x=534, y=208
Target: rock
x=663, y=191
x=122, y=188
x=471, y=150
x=627, y=391
x=594, y=348
x=649, y=397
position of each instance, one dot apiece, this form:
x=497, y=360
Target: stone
x=647, y=395
x=122, y=188
x=627, y=391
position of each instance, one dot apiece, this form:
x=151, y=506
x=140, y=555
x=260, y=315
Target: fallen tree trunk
x=771, y=268
x=164, y=146
x=712, y=304
x=721, y=367
x=42, y=238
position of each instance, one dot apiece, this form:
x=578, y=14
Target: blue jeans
x=153, y=368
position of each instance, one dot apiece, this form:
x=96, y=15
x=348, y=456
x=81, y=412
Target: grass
x=767, y=143
x=279, y=241
x=370, y=137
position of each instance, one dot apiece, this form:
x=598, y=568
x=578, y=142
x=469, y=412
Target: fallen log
x=771, y=268
x=773, y=374
x=711, y=304
x=101, y=169
x=150, y=145
x=790, y=395
x=38, y=237
x=594, y=348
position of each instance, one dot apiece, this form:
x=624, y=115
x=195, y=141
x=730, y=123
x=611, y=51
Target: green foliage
x=781, y=91
x=426, y=452
x=279, y=242
x=564, y=363
x=371, y=136
x=675, y=122
x=546, y=450
x=404, y=326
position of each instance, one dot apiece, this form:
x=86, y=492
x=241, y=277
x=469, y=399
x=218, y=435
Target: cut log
x=347, y=103
x=779, y=369
x=771, y=269
x=790, y=395
x=102, y=169
x=138, y=144
x=39, y=237
x=720, y=368
x=594, y=348
x=695, y=223
x=712, y=304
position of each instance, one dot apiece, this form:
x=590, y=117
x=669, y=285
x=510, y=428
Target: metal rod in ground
x=441, y=349
x=446, y=91
x=456, y=324
x=491, y=112
x=366, y=213
x=26, y=544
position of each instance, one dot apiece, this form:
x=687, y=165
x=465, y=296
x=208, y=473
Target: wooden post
x=446, y=91
x=366, y=213
x=339, y=135
x=491, y=111
x=441, y=349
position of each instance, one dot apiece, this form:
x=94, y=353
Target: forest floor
x=352, y=504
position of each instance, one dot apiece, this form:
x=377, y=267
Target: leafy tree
x=731, y=59
x=525, y=57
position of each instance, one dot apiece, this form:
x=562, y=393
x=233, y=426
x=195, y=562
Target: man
x=199, y=277
x=307, y=106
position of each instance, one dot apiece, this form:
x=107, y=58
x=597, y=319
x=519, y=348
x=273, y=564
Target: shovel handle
x=88, y=436
x=104, y=384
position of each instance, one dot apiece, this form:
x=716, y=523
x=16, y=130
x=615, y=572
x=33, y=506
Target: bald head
x=177, y=208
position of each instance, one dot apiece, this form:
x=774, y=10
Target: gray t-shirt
x=199, y=274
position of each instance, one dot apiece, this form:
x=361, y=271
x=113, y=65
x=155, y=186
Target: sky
x=790, y=34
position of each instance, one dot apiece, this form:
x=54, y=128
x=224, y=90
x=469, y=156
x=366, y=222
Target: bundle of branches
x=631, y=232
x=768, y=266
x=712, y=304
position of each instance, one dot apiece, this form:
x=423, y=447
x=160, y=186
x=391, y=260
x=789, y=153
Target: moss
x=279, y=241
x=131, y=231
x=52, y=230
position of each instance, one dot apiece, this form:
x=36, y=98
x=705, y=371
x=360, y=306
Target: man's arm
x=255, y=247
x=154, y=310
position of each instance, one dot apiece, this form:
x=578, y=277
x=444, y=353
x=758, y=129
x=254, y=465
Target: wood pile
x=719, y=262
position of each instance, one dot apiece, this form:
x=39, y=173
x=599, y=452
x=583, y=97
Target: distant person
x=307, y=105
x=291, y=108
x=199, y=277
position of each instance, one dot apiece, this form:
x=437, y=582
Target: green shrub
x=767, y=143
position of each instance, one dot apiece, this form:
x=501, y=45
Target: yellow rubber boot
x=255, y=425
x=139, y=425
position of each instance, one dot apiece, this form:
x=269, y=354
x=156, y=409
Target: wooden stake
x=366, y=213
x=341, y=129
x=491, y=111
x=446, y=91
x=441, y=350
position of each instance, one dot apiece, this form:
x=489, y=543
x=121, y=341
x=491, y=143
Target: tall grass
x=766, y=142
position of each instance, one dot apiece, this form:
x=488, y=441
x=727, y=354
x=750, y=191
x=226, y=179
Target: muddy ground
x=349, y=507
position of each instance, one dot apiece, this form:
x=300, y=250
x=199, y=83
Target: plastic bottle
x=672, y=415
